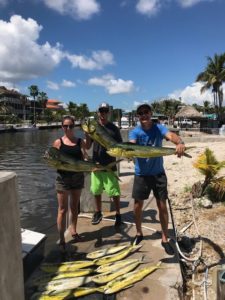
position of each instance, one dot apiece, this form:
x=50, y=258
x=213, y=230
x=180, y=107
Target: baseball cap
x=144, y=105
x=103, y=105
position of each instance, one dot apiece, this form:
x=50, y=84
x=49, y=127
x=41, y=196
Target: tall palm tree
x=213, y=77
x=34, y=93
x=42, y=99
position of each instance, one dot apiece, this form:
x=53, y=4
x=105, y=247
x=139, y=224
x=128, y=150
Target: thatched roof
x=188, y=112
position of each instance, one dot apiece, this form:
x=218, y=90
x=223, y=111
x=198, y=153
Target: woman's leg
x=74, y=204
x=62, y=210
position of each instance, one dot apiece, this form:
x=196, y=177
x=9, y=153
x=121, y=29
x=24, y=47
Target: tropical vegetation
x=212, y=78
x=209, y=166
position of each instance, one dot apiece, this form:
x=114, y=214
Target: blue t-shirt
x=151, y=137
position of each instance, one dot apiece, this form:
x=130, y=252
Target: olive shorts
x=75, y=181
x=143, y=185
x=107, y=181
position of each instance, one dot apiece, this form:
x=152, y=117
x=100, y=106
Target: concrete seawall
x=11, y=272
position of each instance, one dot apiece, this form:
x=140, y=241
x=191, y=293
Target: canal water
x=22, y=153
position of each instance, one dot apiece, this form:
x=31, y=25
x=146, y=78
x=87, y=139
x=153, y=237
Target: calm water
x=22, y=152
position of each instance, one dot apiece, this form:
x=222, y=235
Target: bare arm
x=175, y=139
x=56, y=144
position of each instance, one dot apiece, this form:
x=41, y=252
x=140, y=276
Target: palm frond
x=218, y=184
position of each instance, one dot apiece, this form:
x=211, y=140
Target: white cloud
x=97, y=61
x=21, y=56
x=189, y=3
x=67, y=83
x=52, y=85
x=78, y=9
x=191, y=94
x=148, y=7
x=112, y=85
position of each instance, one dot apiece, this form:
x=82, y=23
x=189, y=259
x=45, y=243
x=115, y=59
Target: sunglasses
x=68, y=126
x=103, y=110
x=143, y=112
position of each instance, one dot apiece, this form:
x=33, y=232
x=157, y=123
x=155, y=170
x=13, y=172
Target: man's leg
x=138, y=216
x=163, y=217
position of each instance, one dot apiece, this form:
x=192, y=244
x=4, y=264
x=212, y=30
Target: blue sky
x=124, y=52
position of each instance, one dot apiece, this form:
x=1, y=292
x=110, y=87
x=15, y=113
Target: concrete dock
x=165, y=283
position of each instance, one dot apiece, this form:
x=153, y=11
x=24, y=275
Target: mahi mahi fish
x=114, y=266
x=58, y=286
x=65, y=162
x=106, y=277
x=55, y=276
x=127, y=280
x=131, y=150
x=106, y=251
x=115, y=257
x=66, y=266
x=98, y=133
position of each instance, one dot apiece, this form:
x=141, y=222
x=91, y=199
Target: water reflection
x=22, y=152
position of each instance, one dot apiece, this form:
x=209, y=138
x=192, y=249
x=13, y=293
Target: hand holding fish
x=180, y=149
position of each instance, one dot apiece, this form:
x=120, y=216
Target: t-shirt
x=151, y=137
x=99, y=152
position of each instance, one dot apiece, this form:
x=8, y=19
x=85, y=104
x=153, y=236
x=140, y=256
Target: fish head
x=89, y=126
x=52, y=154
x=115, y=151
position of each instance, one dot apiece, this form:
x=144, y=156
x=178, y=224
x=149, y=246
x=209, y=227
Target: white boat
x=26, y=128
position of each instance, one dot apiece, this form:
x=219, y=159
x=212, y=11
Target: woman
x=69, y=183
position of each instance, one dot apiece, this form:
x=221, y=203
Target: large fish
x=62, y=275
x=66, y=266
x=131, y=150
x=114, y=266
x=127, y=280
x=115, y=257
x=58, y=286
x=106, y=251
x=61, y=161
x=98, y=133
x=107, y=277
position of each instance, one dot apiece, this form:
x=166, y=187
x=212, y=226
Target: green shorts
x=106, y=181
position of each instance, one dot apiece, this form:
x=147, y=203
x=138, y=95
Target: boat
x=25, y=128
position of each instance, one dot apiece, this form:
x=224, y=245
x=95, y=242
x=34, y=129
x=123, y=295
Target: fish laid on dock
x=114, y=266
x=106, y=251
x=66, y=267
x=107, y=277
x=56, y=276
x=58, y=286
x=131, y=150
x=98, y=133
x=61, y=161
x=118, y=256
x=127, y=280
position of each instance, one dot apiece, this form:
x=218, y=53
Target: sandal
x=76, y=238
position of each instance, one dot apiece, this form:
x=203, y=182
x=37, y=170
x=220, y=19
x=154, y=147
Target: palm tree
x=42, y=99
x=213, y=77
x=34, y=93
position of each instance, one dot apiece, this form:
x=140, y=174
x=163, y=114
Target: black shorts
x=143, y=185
x=74, y=181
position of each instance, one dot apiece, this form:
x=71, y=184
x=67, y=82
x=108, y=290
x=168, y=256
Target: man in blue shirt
x=149, y=172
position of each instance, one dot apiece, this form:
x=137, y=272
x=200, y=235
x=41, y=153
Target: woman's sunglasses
x=143, y=112
x=68, y=126
x=103, y=110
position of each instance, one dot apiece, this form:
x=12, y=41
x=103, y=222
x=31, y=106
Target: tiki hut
x=188, y=112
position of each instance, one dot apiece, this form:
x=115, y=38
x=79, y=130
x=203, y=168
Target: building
x=54, y=104
x=15, y=103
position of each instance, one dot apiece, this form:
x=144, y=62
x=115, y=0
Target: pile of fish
x=104, y=271
x=124, y=150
